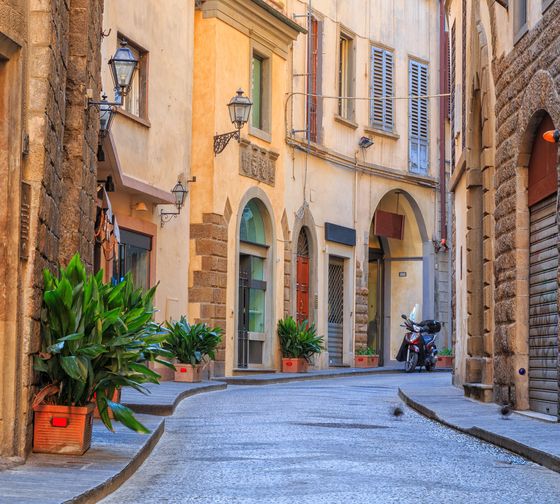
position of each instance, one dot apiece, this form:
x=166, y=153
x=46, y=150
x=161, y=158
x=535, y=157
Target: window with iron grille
x=418, y=118
x=382, y=69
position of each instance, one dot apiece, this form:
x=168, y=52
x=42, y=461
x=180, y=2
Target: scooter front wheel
x=411, y=362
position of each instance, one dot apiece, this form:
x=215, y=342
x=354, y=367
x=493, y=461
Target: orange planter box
x=187, y=373
x=62, y=429
x=366, y=361
x=294, y=365
x=445, y=361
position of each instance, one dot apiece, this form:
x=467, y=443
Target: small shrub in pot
x=192, y=345
x=298, y=343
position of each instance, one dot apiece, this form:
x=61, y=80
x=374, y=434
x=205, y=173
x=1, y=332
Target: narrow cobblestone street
x=329, y=441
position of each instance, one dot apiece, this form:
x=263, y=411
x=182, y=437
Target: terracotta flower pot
x=294, y=365
x=116, y=398
x=166, y=373
x=62, y=429
x=366, y=361
x=445, y=361
x=187, y=373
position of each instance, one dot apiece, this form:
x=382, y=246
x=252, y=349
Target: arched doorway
x=376, y=276
x=543, y=273
x=302, y=276
x=400, y=263
x=253, y=345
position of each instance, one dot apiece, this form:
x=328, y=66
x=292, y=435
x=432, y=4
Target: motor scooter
x=419, y=343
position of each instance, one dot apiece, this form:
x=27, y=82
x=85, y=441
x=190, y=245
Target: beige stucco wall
x=330, y=184
x=157, y=150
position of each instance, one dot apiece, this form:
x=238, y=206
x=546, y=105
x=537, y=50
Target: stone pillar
x=207, y=294
x=361, y=309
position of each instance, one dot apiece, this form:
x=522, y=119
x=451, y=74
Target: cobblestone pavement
x=331, y=441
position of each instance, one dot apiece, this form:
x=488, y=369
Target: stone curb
x=283, y=378
x=109, y=486
x=100, y=491
x=166, y=409
x=538, y=456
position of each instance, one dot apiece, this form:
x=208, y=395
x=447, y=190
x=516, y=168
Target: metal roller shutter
x=543, y=307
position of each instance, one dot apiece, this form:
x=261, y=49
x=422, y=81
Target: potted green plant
x=445, y=358
x=298, y=342
x=192, y=345
x=91, y=344
x=366, y=357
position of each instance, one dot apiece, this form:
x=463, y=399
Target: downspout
x=442, y=90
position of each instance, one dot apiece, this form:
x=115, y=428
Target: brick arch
x=540, y=96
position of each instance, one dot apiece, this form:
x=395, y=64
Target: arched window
x=252, y=224
x=253, y=343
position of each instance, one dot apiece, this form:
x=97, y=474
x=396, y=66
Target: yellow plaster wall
x=222, y=65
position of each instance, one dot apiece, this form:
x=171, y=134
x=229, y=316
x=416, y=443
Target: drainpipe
x=442, y=87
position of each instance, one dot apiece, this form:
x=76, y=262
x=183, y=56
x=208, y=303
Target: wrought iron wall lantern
x=123, y=65
x=239, y=108
x=179, y=193
x=552, y=136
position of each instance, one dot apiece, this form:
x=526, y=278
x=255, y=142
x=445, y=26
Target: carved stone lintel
x=257, y=163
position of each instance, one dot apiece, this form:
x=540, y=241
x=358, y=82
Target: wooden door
x=302, y=289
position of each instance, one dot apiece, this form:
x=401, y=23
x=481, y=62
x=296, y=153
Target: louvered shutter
x=418, y=118
x=381, y=111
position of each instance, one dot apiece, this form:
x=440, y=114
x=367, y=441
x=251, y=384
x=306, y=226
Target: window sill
x=263, y=135
x=388, y=134
x=345, y=122
x=135, y=118
x=520, y=34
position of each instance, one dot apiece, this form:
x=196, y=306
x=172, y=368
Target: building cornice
x=257, y=20
x=343, y=161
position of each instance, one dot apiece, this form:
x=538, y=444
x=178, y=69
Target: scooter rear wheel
x=411, y=362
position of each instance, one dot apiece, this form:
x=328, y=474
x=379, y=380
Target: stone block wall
x=361, y=324
x=209, y=284
x=527, y=81
x=50, y=89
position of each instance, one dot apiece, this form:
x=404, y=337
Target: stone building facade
x=282, y=221
x=508, y=349
x=49, y=58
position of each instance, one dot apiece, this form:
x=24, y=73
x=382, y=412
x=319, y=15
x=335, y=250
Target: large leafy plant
x=191, y=343
x=298, y=340
x=95, y=338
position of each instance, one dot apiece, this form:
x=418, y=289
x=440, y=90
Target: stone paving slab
x=112, y=459
x=536, y=440
x=272, y=378
x=164, y=398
